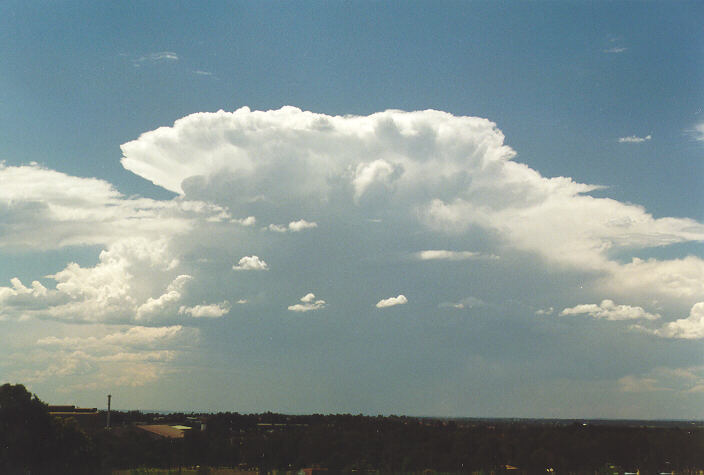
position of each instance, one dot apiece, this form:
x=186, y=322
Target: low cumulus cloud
x=690, y=328
x=135, y=280
x=615, y=50
x=444, y=255
x=608, y=310
x=465, y=303
x=251, y=263
x=213, y=310
x=392, y=301
x=634, y=139
x=308, y=303
x=130, y=357
x=293, y=226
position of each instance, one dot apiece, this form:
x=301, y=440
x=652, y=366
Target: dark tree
x=31, y=440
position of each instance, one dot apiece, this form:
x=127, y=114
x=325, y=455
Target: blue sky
x=496, y=206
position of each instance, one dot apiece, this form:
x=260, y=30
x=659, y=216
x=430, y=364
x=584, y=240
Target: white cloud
x=608, y=310
x=698, y=132
x=248, y=221
x=681, y=380
x=368, y=174
x=452, y=174
x=675, y=278
x=392, y=301
x=158, y=57
x=134, y=280
x=465, y=303
x=251, y=263
x=689, y=328
x=214, y=310
x=293, y=226
x=615, y=50
x=634, y=139
x=300, y=225
x=46, y=209
x=132, y=357
x=309, y=302
x=437, y=254
x=545, y=311
x=165, y=302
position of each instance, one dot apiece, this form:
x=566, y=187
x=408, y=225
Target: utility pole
x=109, y=397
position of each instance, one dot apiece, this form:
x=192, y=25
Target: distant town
x=88, y=440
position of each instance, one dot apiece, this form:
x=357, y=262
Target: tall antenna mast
x=109, y=397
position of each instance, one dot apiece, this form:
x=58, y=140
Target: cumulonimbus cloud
x=452, y=174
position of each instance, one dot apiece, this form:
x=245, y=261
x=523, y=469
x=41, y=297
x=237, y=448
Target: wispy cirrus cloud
x=157, y=57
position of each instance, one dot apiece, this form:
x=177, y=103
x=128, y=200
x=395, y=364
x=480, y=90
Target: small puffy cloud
x=300, y=225
x=615, y=50
x=248, y=221
x=214, y=310
x=465, y=303
x=293, y=226
x=429, y=255
x=545, y=311
x=251, y=263
x=690, y=328
x=634, y=139
x=308, y=303
x=392, y=301
x=608, y=310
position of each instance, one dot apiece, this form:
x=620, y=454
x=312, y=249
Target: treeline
x=403, y=444
x=32, y=441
